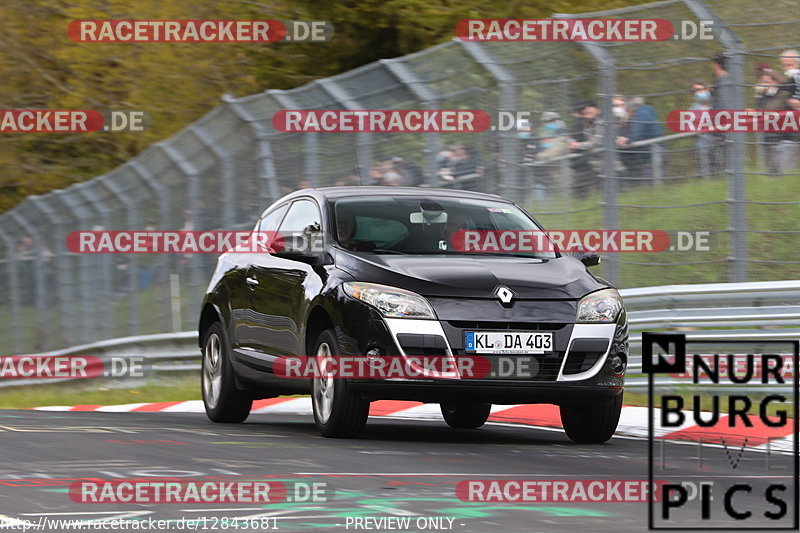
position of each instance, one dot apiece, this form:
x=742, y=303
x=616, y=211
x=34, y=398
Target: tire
x=222, y=400
x=466, y=415
x=339, y=412
x=591, y=424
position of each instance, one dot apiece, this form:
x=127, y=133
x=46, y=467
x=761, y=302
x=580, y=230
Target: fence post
x=657, y=156
x=63, y=308
x=37, y=265
x=609, y=178
x=266, y=167
x=162, y=193
x=509, y=182
x=736, y=184
x=565, y=169
x=193, y=262
x=429, y=101
x=132, y=220
x=734, y=52
x=100, y=283
x=13, y=279
x=226, y=174
x=311, y=166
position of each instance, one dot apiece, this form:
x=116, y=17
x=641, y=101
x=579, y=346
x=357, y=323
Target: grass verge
x=70, y=393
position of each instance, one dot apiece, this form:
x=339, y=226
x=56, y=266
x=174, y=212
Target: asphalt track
x=401, y=468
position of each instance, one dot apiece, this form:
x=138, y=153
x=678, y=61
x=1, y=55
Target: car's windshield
x=419, y=225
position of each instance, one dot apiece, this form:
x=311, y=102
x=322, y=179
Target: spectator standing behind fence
x=722, y=95
x=644, y=126
x=410, y=171
x=621, y=115
x=704, y=142
x=465, y=166
x=622, y=119
x=390, y=174
x=527, y=153
x=527, y=142
x=353, y=178
x=774, y=95
x=790, y=61
x=553, y=144
x=586, y=141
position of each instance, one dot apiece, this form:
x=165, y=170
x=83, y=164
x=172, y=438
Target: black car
x=372, y=273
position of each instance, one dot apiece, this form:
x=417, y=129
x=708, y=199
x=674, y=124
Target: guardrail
x=756, y=310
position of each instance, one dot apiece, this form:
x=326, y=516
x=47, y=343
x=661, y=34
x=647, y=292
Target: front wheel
x=466, y=415
x=338, y=410
x=222, y=400
x=591, y=424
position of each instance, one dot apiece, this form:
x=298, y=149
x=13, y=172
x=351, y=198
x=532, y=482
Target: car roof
x=349, y=192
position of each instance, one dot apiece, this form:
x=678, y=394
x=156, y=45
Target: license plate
x=510, y=342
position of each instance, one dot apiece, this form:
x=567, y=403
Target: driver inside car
x=346, y=230
x=451, y=239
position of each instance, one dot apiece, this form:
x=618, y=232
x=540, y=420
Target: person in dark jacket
x=706, y=143
x=643, y=126
x=586, y=141
x=722, y=95
x=775, y=95
x=790, y=61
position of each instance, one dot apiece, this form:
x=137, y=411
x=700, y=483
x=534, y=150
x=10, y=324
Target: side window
x=265, y=231
x=302, y=227
x=271, y=221
x=302, y=217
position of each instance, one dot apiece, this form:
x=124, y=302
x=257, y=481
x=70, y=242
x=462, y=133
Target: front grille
x=499, y=326
x=546, y=366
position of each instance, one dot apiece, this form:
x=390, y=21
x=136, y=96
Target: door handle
x=251, y=281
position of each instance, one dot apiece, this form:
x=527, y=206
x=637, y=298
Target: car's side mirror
x=588, y=257
x=306, y=248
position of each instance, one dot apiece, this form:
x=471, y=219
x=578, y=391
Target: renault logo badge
x=504, y=294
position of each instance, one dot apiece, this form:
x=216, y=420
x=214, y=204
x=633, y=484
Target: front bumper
x=578, y=370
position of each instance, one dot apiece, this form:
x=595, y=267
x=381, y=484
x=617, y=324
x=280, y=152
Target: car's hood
x=474, y=277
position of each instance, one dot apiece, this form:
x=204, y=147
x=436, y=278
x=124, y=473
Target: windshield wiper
x=504, y=254
x=385, y=251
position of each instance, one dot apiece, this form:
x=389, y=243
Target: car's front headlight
x=600, y=306
x=390, y=301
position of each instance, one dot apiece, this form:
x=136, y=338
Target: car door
x=245, y=318
x=239, y=302
x=279, y=287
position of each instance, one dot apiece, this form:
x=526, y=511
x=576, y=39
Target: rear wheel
x=222, y=400
x=338, y=410
x=591, y=424
x=466, y=415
